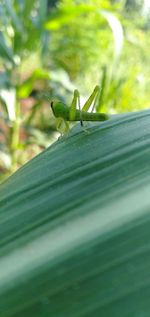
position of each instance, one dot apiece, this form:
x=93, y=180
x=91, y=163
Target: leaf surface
x=74, y=225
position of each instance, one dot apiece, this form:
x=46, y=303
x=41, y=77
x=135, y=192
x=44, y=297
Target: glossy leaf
x=74, y=225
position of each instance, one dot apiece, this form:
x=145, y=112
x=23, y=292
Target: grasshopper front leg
x=62, y=125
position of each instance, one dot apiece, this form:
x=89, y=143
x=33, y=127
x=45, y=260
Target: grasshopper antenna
x=52, y=104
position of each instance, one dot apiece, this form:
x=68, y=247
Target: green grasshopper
x=65, y=114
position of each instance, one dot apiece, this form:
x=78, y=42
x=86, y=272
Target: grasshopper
x=65, y=114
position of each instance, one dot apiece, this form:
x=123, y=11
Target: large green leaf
x=74, y=225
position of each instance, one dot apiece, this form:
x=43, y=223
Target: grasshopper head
x=60, y=110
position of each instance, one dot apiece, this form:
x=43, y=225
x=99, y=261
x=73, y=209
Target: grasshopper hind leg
x=74, y=105
x=79, y=106
x=92, y=100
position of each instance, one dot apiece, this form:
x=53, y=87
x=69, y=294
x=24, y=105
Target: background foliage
x=51, y=47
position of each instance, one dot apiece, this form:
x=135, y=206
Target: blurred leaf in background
x=104, y=41
x=24, y=78
x=48, y=48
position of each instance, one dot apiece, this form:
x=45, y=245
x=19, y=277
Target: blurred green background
x=49, y=48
